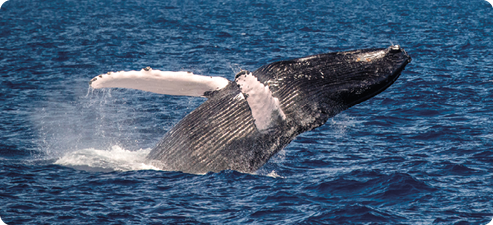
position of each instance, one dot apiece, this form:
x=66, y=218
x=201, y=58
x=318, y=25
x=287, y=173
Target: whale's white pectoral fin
x=161, y=82
x=265, y=108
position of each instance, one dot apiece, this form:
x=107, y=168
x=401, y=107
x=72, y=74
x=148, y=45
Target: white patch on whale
x=265, y=108
x=369, y=56
x=176, y=83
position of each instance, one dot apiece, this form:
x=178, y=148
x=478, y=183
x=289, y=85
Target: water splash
x=274, y=174
x=97, y=130
x=97, y=160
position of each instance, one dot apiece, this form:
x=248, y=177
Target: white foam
x=161, y=82
x=267, y=173
x=274, y=174
x=1, y=222
x=115, y=159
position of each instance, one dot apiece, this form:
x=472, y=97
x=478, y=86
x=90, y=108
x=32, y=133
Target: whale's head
x=317, y=87
x=363, y=74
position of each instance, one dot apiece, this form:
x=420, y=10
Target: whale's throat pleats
x=221, y=133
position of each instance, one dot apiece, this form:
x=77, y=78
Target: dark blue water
x=419, y=153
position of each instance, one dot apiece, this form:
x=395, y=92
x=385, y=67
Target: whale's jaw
x=374, y=79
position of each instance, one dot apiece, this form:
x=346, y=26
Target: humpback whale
x=245, y=122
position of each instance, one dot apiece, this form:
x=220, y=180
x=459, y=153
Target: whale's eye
x=395, y=48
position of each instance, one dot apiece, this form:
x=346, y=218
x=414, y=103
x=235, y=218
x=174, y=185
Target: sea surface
x=420, y=152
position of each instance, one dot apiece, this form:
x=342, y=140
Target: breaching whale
x=245, y=122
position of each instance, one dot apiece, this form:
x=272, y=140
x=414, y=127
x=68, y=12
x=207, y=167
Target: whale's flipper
x=161, y=82
x=265, y=108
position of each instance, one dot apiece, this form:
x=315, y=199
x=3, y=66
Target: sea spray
x=96, y=120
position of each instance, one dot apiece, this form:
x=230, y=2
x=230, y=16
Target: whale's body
x=245, y=122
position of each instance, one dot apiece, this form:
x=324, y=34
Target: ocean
x=421, y=152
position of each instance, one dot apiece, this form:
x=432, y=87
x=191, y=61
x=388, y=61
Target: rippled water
x=418, y=153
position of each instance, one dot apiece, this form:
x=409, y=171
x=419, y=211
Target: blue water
x=421, y=152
